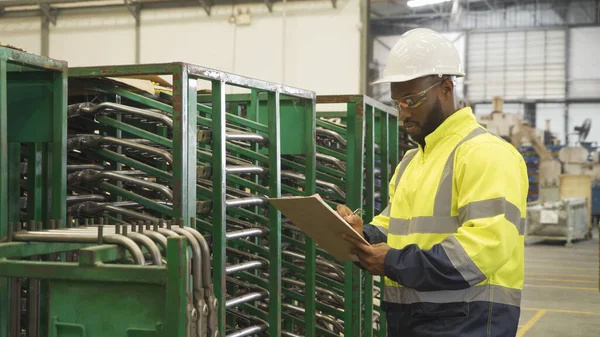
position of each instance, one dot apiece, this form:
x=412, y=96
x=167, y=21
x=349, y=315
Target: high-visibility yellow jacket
x=455, y=222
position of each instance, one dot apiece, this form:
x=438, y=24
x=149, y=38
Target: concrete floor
x=561, y=296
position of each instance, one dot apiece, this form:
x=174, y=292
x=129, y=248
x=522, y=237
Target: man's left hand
x=372, y=258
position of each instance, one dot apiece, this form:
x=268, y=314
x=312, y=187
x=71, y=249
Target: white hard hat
x=421, y=52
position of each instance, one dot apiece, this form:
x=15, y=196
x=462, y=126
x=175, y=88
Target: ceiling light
x=419, y=3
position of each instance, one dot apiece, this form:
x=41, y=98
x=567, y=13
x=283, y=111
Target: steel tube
x=152, y=248
x=243, y=233
x=253, y=296
x=332, y=134
x=205, y=252
x=245, y=170
x=337, y=298
x=158, y=238
x=91, y=175
x=329, y=265
x=74, y=110
x=131, y=144
x=94, y=141
x=249, y=201
x=331, y=159
x=248, y=331
x=80, y=167
x=196, y=254
x=320, y=183
x=71, y=199
x=248, y=265
x=90, y=207
x=209, y=292
x=246, y=137
x=53, y=236
x=326, y=318
x=289, y=334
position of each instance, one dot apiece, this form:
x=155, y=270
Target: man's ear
x=447, y=89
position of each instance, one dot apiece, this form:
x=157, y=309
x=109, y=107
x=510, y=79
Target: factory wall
x=308, y=45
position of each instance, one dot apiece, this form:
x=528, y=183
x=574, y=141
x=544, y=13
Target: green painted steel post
x=274, y=215
x=369, y=209
x=310, y=189
x=219, y=207
x=177, y=271
x=184, y=144
x=394, y=125
x=59, y=148
x=386, y=154
x=4, y=282
x=354, y=188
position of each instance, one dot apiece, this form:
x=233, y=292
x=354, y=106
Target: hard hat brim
x=404, y=78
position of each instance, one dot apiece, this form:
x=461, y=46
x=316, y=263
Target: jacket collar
x=457, y=122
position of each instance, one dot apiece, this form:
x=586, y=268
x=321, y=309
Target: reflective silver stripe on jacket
x=442, y=205
x=449, y=224
x=461, y=261
x=485, y=293
x=403, y=164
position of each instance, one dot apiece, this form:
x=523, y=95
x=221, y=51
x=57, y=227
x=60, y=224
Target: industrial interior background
x=121, y=163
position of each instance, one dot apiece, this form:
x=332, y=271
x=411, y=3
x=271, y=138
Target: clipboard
x=320, y=222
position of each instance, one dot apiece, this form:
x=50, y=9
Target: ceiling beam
x=132, y=9
x=45, y=8
x=489, y=5
x=207, y=7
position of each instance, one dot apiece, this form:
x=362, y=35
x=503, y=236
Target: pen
x=358, y=212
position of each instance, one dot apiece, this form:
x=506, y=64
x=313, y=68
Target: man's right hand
x=354, y=220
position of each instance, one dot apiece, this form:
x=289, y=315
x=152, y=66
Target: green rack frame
x=184, y=102
x=370, y=124
x=33, y=91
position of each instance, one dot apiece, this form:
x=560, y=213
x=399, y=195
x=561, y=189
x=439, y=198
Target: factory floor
x=561, y=296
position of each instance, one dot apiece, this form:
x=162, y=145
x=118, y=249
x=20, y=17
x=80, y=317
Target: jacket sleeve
x=490, y=184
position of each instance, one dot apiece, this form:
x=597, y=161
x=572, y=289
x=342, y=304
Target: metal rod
x=332, y=134
x=245, y=170
x=196, y=255
x=243, y=202
x=249, y=265
x=248, y=331
x=244, y=233
x=77, y=109
x=331, y=159
x=246, y=137
x=254, y=296
x=62, y=236
x=92, y=176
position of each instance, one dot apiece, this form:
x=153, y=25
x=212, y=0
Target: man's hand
x=372, y=258
x=354, y=220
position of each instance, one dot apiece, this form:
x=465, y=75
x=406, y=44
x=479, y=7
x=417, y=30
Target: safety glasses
x=413, y=101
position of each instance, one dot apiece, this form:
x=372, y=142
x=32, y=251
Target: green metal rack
x=374, y=140
x=221, y=122
x=32, y=125
x=100, y=197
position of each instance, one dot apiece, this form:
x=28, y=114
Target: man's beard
x=433, y=121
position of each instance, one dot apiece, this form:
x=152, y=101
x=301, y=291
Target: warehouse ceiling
x=52, y=8
x=394, y=17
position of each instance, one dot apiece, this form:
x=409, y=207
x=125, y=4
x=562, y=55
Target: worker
x=450, y=242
